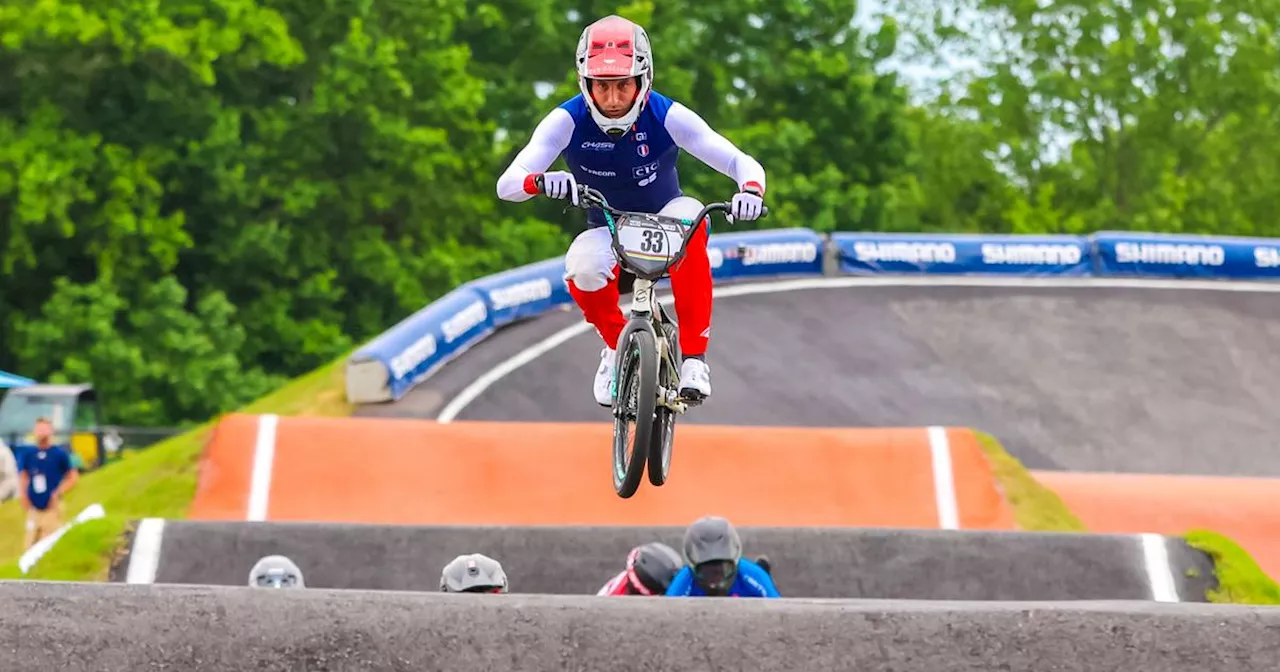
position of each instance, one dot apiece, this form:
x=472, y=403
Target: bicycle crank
x=672, y=400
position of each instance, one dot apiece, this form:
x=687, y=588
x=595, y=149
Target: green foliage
x=198, y=200
x=1156, y=115
x=1240, y=580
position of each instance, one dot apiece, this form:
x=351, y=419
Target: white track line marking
x=485, y=381
x=1156, y=557
x=477, y=387
x=944, y=480
x=264, y=457
x=144, y=558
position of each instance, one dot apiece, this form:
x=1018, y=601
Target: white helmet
x=276, y=571
x=615, y=48
x=473, y=573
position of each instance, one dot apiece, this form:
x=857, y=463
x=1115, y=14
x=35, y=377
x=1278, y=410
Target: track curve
x=1139, y=377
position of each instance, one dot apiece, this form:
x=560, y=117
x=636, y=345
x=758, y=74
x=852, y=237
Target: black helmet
x=474, y=573
x=650, y=568
x=712, y=548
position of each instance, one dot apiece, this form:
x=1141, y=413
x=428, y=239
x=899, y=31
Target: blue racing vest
x=637, y=172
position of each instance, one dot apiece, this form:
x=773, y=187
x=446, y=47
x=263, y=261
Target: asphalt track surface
x=807, y=562
x=1080, y=378
x=110, y=627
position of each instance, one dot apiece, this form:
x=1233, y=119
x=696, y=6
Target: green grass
x=84, y=553
x=159, y=481
x=1036, y=508
x=1240, y=579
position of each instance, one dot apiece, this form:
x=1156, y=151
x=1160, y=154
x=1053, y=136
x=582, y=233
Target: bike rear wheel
x=635, y=402
x=664, y=419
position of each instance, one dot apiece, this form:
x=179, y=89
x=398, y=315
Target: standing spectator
x=47, y=473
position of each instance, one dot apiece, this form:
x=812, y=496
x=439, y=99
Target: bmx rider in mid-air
x=622, y=138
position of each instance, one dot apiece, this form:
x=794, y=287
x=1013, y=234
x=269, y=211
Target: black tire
x=664, y=419
x=638, y=377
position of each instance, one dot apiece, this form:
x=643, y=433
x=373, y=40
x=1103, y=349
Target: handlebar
x=589, y=197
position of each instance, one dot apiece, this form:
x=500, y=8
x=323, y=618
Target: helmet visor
x=275, y=578
x=483, y=589
x=716, y=576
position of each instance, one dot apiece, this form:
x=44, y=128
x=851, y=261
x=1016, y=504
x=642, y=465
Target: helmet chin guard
x=615, y=48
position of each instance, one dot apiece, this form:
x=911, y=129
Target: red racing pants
x=591, y=272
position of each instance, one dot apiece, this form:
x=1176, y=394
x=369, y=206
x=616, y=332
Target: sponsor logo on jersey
x=458, y=325
x=1030, y=253
x=646, y=170
x=641, y=136
x=521, y=293
x=1266, y=257
x=647, y=173
x=642, y=150
x=912, y=253
x=597, y=146
x=1184, y=254
x=600, y=173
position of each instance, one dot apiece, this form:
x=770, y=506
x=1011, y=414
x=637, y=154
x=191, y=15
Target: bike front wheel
x=664, y=419
x=634, y=403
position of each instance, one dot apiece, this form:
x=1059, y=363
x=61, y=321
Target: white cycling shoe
x=695, y=379
x=603, y=386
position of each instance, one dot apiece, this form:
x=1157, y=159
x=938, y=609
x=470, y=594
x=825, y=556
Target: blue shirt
x=751, y=581
x=637, y=172
x=45, y=467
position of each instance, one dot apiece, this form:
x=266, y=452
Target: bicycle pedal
x=691, y=398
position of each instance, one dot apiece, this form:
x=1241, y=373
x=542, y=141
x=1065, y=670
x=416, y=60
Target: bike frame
x=646, y=313
x=657, y=361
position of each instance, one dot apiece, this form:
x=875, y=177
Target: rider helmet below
x=275, y=571
x=650, y=568
x=474, y=573
x=712, y=548
x=615, y=72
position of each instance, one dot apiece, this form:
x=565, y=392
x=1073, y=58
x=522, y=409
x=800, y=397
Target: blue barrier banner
x=524, y=292
x=873, y=253
x=1172, y=255
x=423, y=341
x=770, y=252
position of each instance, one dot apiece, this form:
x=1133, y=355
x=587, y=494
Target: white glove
x=746, y=206
x=560, y=184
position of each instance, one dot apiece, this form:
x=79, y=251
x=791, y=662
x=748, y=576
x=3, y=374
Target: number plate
x=650, y=241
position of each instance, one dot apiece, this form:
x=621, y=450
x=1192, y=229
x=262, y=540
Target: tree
x=1156, y=114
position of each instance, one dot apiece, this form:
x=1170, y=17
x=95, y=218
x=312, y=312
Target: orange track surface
x=1245, y=509
x=421, y=472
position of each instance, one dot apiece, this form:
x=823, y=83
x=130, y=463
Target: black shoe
x=763, y=561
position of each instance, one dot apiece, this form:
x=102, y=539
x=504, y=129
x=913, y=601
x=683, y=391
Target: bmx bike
x=647, y=373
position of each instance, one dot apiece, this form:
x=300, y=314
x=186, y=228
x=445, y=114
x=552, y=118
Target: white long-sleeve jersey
x=636, y=172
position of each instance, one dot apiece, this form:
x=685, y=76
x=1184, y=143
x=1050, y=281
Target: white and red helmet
x=615, y=48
